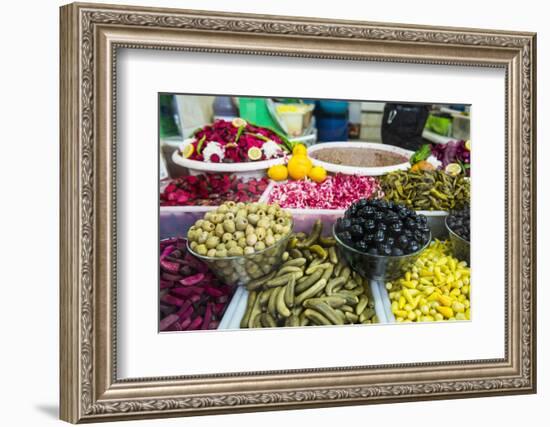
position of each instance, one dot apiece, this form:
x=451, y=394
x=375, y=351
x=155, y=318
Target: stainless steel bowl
x=460, y=246
x=239, y=270
x=377, y=267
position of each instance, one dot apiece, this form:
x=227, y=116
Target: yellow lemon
x=299, y=166
x=187, y=151
x=254, y=153
x=278, y=172
x=238, y=122
x=299, y=149
x=317, y=174
x=453, y=169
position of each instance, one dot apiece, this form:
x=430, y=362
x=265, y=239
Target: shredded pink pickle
x=336, y=192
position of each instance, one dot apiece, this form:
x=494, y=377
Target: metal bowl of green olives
x=241, y=241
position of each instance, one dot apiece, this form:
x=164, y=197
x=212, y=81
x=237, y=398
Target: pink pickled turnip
x=213, y=291
x=170, y=267
x=168, y=321
x=167, y=251
x=169, y=299
x=195, y=324
x=185, y=324
x=207, y=316
x=192, y=280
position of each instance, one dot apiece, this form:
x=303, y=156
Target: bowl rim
x=339, y=241
x=251, y=166
x=453, y=234
x=234, y=257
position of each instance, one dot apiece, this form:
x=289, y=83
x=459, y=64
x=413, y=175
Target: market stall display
x=314, y=235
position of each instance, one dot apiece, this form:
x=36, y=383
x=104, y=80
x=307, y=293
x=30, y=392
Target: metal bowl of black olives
x=380, y=239
x=458, y=226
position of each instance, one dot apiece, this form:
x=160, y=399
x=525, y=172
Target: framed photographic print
x=268, y=212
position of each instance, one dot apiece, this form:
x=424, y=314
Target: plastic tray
x=237, y=307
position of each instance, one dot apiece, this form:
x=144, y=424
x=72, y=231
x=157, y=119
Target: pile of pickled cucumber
x=313, y=286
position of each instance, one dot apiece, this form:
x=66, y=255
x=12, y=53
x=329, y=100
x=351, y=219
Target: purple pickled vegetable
x=170, y=277
x=167, y=251
x=185, y=324
x=195, y=324
x=168, y=321
x=213, y=291
x=207, y=316
x=170, y=299
x=164, y=284
x=187, y=291
x=170, y=267
x=192, y=280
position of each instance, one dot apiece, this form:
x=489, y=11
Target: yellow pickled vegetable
x=436, y=288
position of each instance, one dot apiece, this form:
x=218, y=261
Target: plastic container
x=239, y=270
x=377, y=267
x=354, y=170
x=244, y=169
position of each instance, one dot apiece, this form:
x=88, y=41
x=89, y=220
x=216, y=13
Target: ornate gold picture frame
x=90, y=37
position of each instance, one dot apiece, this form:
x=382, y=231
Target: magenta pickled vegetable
x=191, y=297
x=211, y=190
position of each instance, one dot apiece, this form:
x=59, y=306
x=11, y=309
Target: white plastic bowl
x=245, y=169
x=354, y=170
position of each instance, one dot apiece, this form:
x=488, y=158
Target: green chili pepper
x=199, y=145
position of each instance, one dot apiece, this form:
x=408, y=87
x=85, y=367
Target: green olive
x=242, y=242
x=227, y=237
x=201, y=249
x=241, y=223
x=198, y=224
x=238, y=234
x=230, y=244
x=202, y=237
x=277, y=237
x=221, y=253
x=259, y=246
x=251, y=239
x=248, y=230
x=235, y=251
x=253, y=218
x=261, y=213
x=230, y=204
x=220, y=246
x=212, y=242
x=260, y=233
x=211, y=253
x=269, y=240
x=193, y=245
x=264, y=223
x=208, y=226
x=241, y=213
x=229, y=225
x=249, y=250
x=230, y=216
x=222, y=209
x=208, y=215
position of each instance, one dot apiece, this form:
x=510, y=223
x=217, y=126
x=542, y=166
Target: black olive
x=413, y=246
x=384, y=249
x=346, y=224
x=390, y=241
x=362, y=246
x=372, y=251
x=369, y=225
x=396, y=251
x=379, y=216
x=369, y=238
x=379, y=236
x=395, y=228
x=357, y=232
x=403, y=241
x=345, y=236
x=381, y=226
